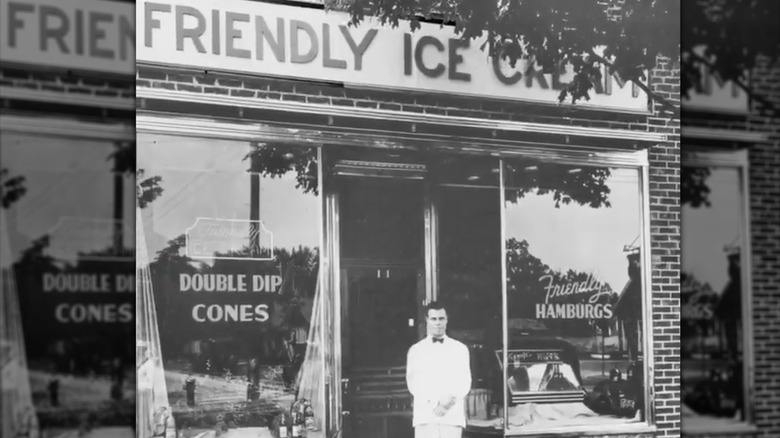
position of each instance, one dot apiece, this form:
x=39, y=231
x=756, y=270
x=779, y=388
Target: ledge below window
x=623, y=431
x=739, y=430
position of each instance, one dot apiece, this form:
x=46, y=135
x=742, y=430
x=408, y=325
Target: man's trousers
x=437, y=431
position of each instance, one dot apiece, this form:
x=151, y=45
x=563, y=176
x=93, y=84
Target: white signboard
x=92, y=35
x=305, y=43
x=229, y=239
x=715, y=95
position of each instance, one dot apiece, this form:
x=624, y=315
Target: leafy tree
x=524, y=271
x=11, y=187
x=582, y=185
x=728, y=38
x=734, y=35
x=693, y=188
x=276, y=160
x=148, y=189
x=551, y=33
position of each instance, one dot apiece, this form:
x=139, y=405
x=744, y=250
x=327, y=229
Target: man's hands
x=444, y=405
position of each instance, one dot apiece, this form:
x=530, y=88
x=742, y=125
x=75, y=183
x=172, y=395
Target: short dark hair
x=435, y=305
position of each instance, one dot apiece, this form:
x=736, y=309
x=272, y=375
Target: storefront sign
x=591, y=291
x=229, y=239
x=88, y=238
x=517, y=358
x=277, y=40
x=714, y=94
x=89, y=35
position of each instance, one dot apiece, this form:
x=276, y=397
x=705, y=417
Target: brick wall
x=67, y=82
x=764, y=188
x=664, y=172
x=68, y=85
x=665, y=239
x=406, y=102
x=765, y=257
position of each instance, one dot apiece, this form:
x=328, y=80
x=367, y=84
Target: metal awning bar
x=284, y=108
x=723, y=135
x=149, y=123
x=49, y=97
x=67, y=128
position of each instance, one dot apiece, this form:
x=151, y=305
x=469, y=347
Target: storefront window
x=574, y=296
x=232, y=233
x=68, y=247
x=713, y=330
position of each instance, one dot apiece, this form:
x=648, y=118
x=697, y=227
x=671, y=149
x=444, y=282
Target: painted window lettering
x=70, y=313
x=230, y=313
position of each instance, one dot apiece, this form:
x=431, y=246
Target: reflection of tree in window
x=583, y=185
x=76, y=348
x=711, y=323
x=563, y=303
x=299, y=267
x=11, y=187
x=693, y=186
x=276, y=160
x=272, y=349
x=524, y=271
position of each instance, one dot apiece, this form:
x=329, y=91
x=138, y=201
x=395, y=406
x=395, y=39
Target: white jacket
x=434, y=370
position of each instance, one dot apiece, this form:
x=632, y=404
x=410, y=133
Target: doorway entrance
x=386, y=224
x=381, y=229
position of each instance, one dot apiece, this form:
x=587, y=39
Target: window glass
x=574, y=295
x=232, y=235
x=711, y=298
x=468, y=201
x=68, y=244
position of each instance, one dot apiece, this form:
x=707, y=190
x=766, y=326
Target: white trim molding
x=166, y=124
x=380, y=114
x=720, y=134
x=65, y=98
x=58, y=127
x=699, y=156
x=738, y=160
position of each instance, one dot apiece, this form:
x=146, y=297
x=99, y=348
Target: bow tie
x=438, y=340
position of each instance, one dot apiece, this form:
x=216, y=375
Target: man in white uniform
x=438, y=374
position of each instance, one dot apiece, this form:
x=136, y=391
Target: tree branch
x=745, y=87
x=664, y=102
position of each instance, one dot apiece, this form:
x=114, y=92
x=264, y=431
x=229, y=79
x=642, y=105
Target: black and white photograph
x=389, y=218
x=408, y=219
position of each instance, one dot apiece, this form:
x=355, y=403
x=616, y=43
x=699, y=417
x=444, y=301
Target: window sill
x=743, y=429
x=628, y=430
